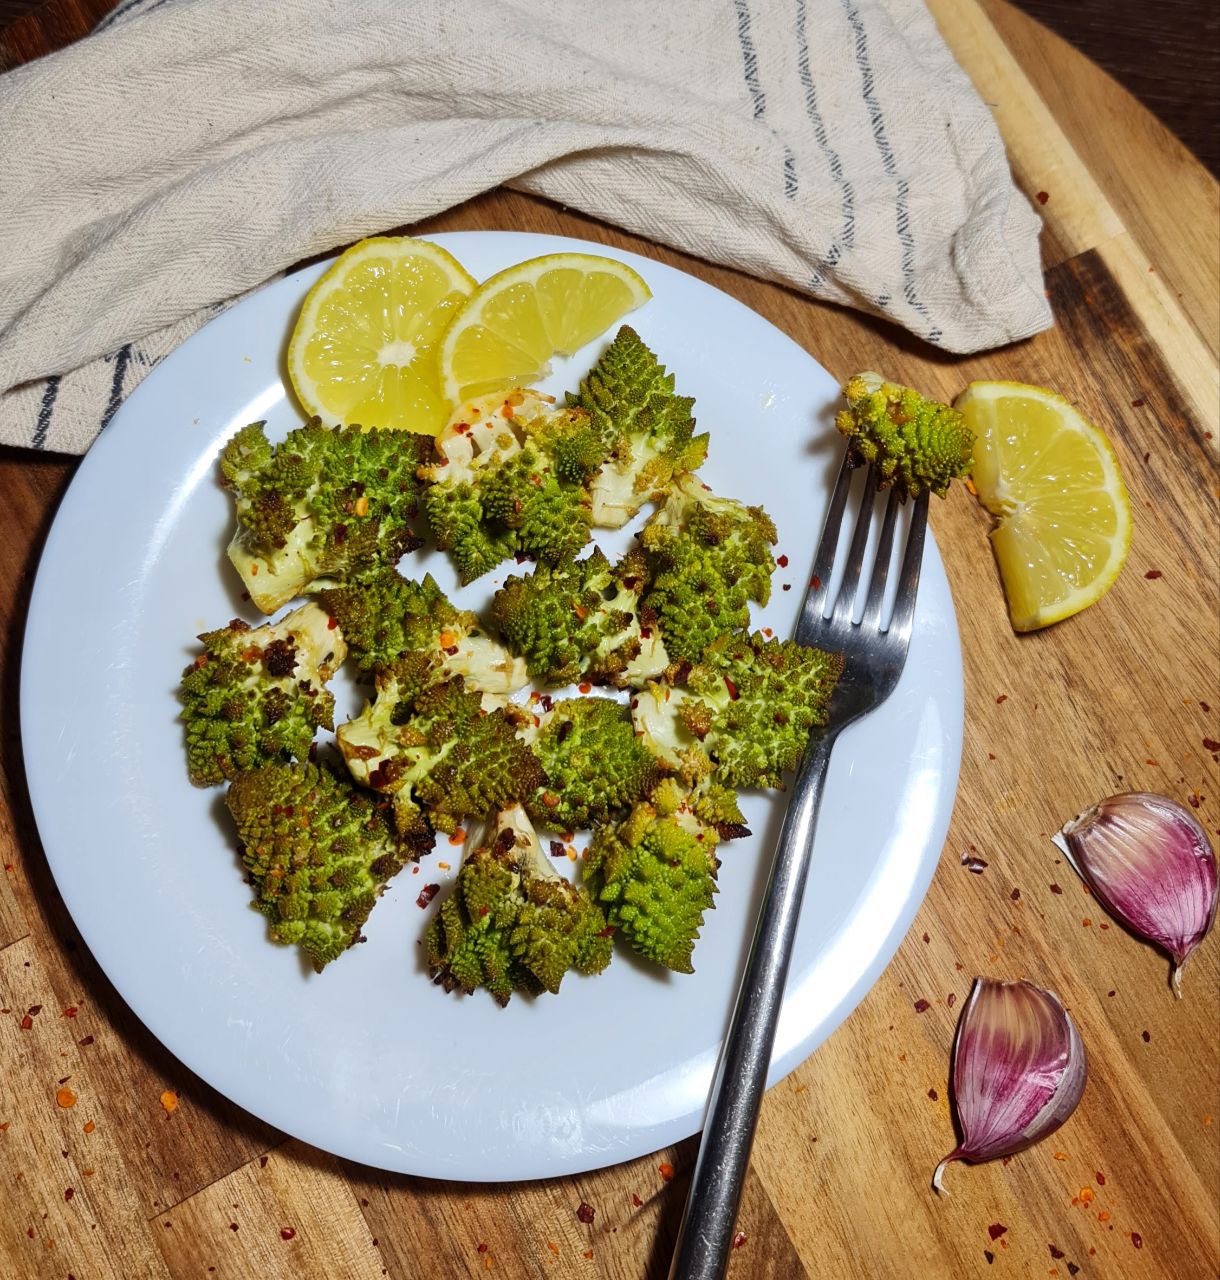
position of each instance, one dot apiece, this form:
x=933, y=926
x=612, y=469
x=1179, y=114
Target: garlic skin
x=1150, y=864
x=1018, y=1071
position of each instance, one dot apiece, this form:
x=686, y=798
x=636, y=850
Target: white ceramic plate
x=369, y=1060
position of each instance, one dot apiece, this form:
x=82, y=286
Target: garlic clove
x=1018, y=1071
x=1150, y=864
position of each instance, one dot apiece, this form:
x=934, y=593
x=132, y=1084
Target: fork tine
x=908, y=583
x=881, y=565
x=846, y=602
x=824, y=560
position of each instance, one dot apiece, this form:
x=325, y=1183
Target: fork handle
x=706, y=1234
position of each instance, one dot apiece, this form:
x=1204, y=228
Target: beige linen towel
x=190, y=149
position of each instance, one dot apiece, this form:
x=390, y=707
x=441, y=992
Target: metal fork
x=874, y=661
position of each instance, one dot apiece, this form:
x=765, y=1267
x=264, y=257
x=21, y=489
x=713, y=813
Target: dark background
x=1167, y=54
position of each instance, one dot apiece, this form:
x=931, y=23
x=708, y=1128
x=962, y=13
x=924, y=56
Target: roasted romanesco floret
x=511, y=478
x=258, y=695
x=582, y=621
x=384, y=616
x=433, y=747
x=654, y=873
x=648, y=429
x=318, y=851
x=915, y=443
x=593, y=762
x=748, y=708
x=324, y=504
x=512, y=923
x=708, y=558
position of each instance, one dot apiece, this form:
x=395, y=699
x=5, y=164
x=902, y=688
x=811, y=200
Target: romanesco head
x=455, y=513
x=258, y=695
x=581, y=620
x=593, y=762
x=527, y=495
x=511, y=923
x=655, y=877
x=323, y=504
x=646, y=428
x=318, y=851
x=915, y=443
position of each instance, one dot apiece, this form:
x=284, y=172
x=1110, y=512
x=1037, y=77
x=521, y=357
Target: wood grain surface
x=150, y=1173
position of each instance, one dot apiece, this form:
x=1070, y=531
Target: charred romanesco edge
x=582, y=620
x=318, y=851
x=746, y=710
x=511, y=478
x=384, y=617
x=914, y=443
x=708, y=557
x=511, y=923
x=647, y=428
x=255, y=696
x=324, y=504
x=437, y=752
x=594, y=765
x=654, y=873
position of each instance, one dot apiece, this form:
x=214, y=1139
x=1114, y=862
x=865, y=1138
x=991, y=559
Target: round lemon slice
x=364, y=349
x=1063, y=519
x=510, y=327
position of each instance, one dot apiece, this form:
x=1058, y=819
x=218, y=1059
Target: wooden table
x=119, y=1185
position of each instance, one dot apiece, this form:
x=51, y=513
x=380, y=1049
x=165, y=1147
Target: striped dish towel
x=191, y=149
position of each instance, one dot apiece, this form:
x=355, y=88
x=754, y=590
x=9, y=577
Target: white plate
x=369, y=1060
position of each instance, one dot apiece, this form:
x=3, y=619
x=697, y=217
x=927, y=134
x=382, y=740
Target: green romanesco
x=384, y=616
x=582, y=620
x=647, y=428
x=437, y=751
x=512, y=923
x=914, y=443
x=708, y=557
x=258, y=695
x=748, y=708
x=511, y=478
x=318, y=851
x=654, y=873
x=593, y=762
x=320, y=506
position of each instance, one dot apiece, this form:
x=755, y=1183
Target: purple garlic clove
x=1018, y=1071
x=1150, y=864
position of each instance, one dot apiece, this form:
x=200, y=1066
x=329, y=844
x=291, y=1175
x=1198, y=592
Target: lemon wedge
x=1063, y=519
x=364, y=349
x=508, y=329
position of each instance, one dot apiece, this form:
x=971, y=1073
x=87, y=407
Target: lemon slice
x=1052, y=481
x=511, y=326
x=364, y=349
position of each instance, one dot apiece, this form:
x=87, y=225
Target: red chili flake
x=1101, y=1179
x=426, y=894
x=926, y=938
x=553, y=1247
x=1137, y=1240
x=1210, y=744
x=739, y=1239
x=732, y=688
x=1015, y=895
x=1043, y=197
x=88, y=1040
x=232, y=1226
x=1139, y=404
x=1087, y=922
x=782, y=561
x=287, y=1233
x=34, y=1010
x=1145, y=1036
x=666, y=1170
x=29, y=1231
x=951, y=999
x=557, y=849
x=586, y=687
x=70, y=1012
x=971, y=863
x=1002, y=698
x=1153, y=574
x=1073, y=1269
x=584, y=1212
x=607, y=932
x=1195, y=798
x=996, y=1230
x=989, y=1256
x=787, y=586
x=89, y=1126
x=645, y=633
x=635, y=1200
x=481, y=1247
x=1056, y=889
x=457, y=837
x=922, y=1006
x=933, y=1095
x=331, y=624
x=1206, y=711
x=26, y=1023
x=816, y=582
x=588, y=1253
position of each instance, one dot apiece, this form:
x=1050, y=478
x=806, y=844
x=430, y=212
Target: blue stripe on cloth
x=749, y=59
x=43, y=425
x=902, y=190
x=121, y=359
x=115, y=14
x=847, y=236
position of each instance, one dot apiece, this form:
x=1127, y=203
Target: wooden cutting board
x=119, y=1185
